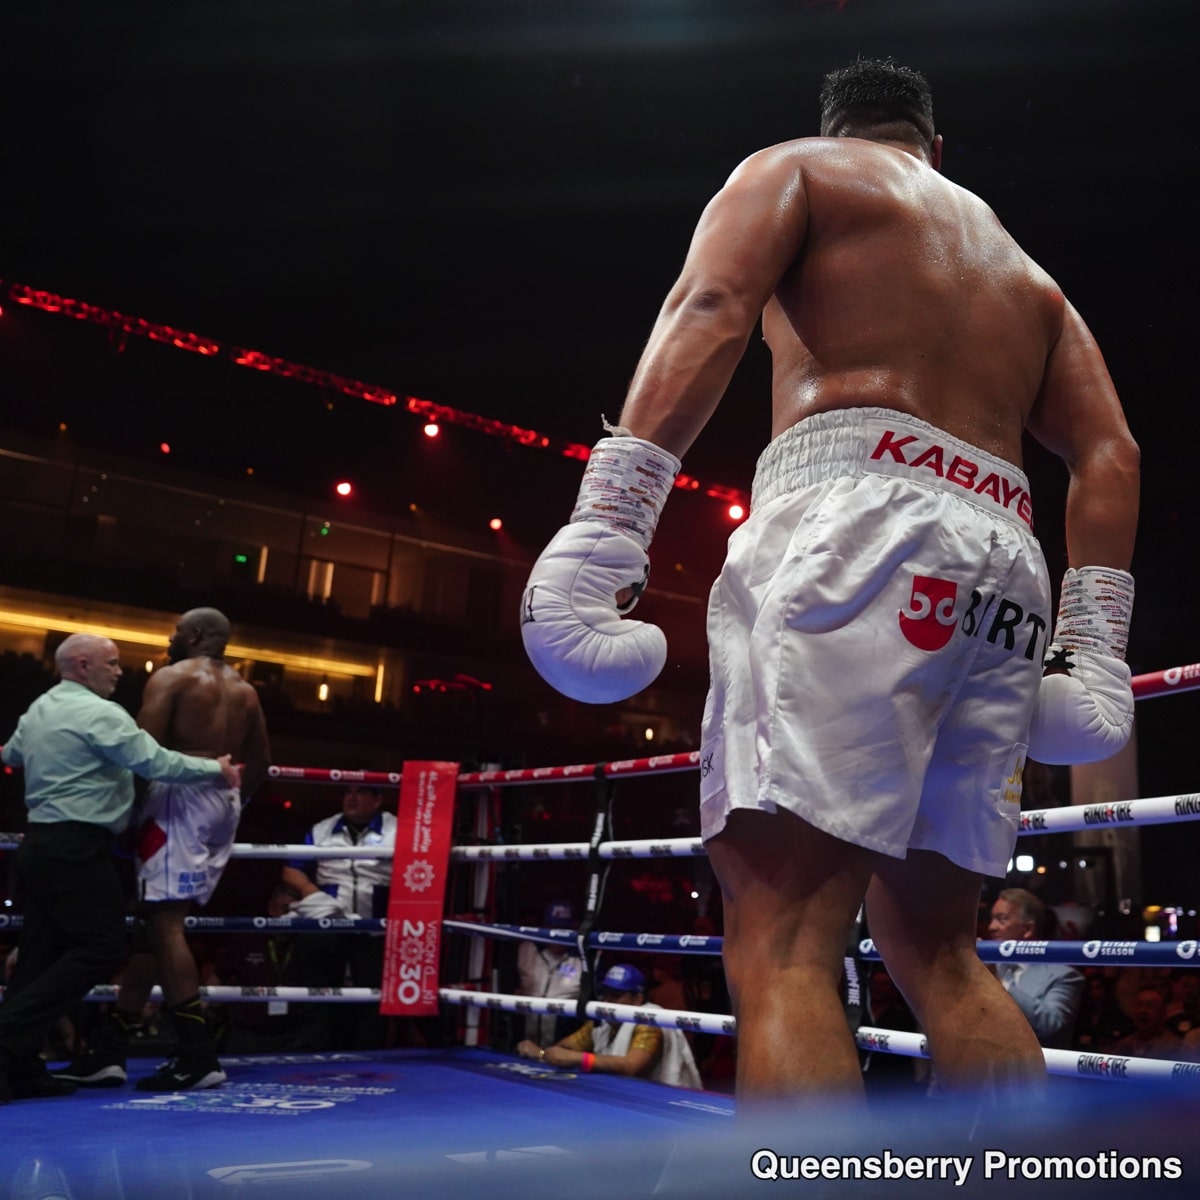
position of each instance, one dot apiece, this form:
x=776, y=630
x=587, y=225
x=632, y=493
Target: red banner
x=419, y=866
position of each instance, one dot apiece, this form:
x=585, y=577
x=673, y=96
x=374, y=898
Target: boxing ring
x=471, y=1119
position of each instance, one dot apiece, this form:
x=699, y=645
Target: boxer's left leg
x=791, y=896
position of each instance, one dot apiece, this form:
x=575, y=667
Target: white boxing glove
x=571, y=621
x=1084, y=709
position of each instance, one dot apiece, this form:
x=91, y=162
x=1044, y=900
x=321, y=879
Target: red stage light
x=432, y=429
x=344, y=488
x=736, y=512
x=165, y=447
x=495, y=524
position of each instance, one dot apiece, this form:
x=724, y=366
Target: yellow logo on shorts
x=1010, y=793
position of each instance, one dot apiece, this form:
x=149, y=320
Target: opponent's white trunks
x=184, y=836
x=876, y=638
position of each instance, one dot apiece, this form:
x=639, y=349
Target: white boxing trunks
x=184, y=835
x=876, y=638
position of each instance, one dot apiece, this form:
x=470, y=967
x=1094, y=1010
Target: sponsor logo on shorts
x=928, y=621
x=924, y=454
x=1008, y=618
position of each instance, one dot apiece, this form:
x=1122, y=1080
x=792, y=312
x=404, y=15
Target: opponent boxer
x=201, y=705
x=878, y=631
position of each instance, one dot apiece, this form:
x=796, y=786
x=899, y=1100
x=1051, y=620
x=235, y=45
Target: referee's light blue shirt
x=79, y=750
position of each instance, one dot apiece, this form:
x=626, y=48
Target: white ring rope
x=1114, y=1067
x=1071, y=818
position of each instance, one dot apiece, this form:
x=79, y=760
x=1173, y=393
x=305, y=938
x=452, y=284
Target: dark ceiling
x=483, y=202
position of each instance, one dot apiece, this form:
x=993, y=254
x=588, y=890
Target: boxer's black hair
x=872, y=94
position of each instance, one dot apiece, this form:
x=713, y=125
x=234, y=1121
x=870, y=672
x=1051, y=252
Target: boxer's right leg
x=922, y=913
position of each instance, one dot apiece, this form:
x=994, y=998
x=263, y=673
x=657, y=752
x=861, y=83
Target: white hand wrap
x=318, y=904
x=1086, y=714
x=570, y=620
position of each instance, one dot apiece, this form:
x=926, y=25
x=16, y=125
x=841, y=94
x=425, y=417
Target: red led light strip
x=79, y=310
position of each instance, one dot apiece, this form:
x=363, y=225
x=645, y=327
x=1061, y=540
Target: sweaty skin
x=881, y=283
x=198, y=702
x=878, y=284
x=203, y=706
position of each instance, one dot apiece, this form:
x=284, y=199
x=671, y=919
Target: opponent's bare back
x=908, y=294
x=201, y=705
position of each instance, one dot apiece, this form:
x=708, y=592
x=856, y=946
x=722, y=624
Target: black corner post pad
x=601, y=829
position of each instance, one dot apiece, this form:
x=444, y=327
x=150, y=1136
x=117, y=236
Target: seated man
x=358, y=887
x=1049, y=994
x=551, y=972
x=620, y=1047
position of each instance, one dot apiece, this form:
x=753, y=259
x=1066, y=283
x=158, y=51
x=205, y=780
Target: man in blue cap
x=551, y=972
x=621, y=1047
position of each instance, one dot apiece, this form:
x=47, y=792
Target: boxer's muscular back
x=203, y=706
x=908, y=294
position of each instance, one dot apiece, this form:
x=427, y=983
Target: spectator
x=1183, y=1011
x=619, y=1047
x=345, y=887
x=1101, y=1022
x=1049, y=994
x=551, y=972
x=1150, y=1037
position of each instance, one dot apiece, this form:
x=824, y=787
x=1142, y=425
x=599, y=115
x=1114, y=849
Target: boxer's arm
x=1078, y=417
x=255, y=751
x=1084, y=707
x=747, y=237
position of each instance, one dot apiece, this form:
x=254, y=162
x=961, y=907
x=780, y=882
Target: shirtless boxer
x=201, y=705
x=879, y=629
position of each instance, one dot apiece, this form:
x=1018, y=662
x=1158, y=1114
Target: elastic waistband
x=881, y=441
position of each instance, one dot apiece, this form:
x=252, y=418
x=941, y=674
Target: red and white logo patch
x=928, y=621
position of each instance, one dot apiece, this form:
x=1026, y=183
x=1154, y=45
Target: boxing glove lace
x=1084, y=709
x=571, y=621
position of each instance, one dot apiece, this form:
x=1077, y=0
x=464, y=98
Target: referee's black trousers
x=73, y=935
